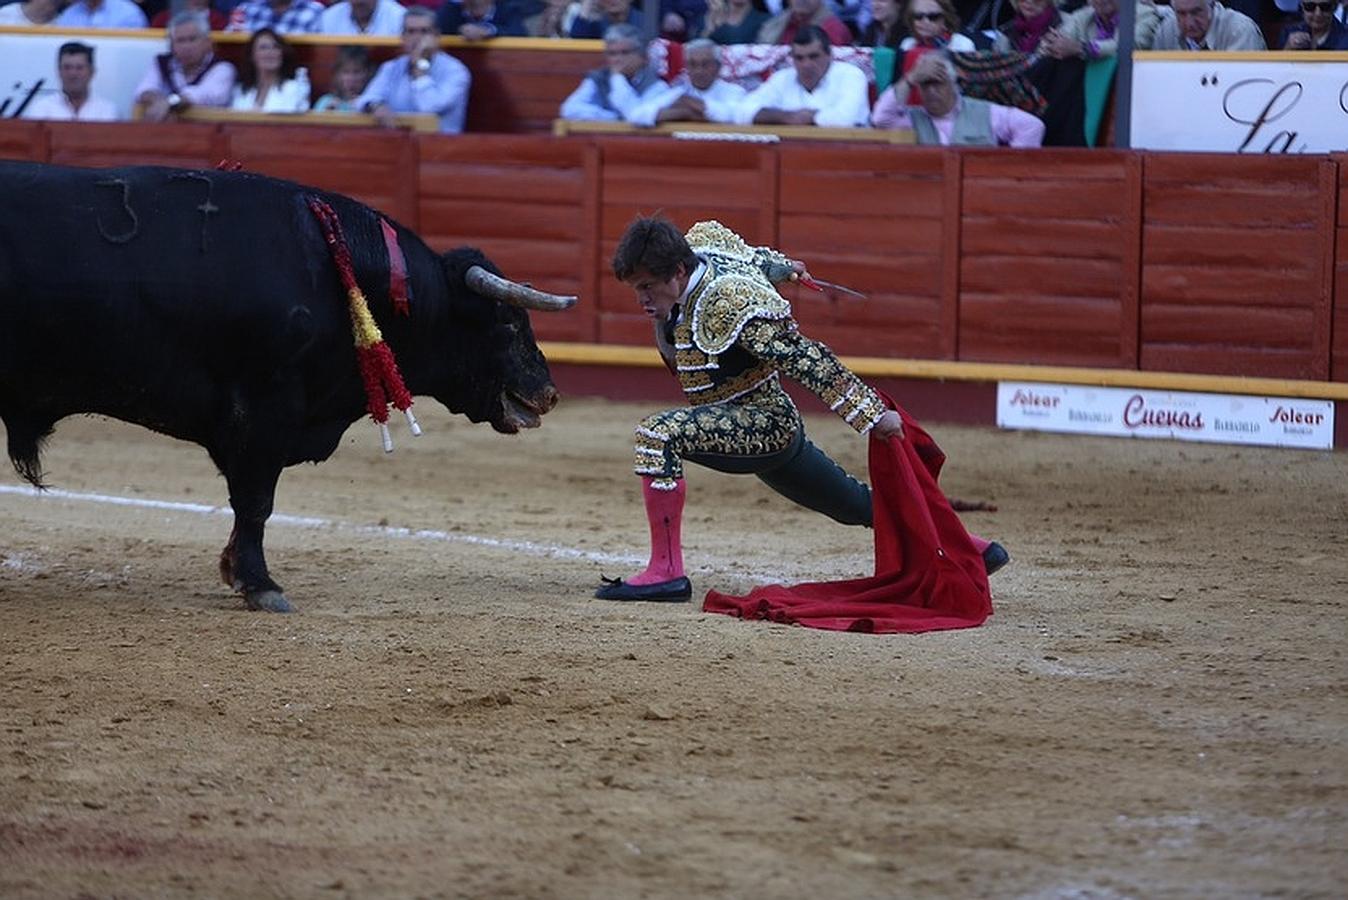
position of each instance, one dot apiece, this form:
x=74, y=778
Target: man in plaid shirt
x=282, y=16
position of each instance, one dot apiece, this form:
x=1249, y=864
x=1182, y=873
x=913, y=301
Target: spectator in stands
x=1207, y=25
x=477, y=20
x=190, y=73
x=267, y=80
x=218, y=20
x=281, y=16
x=1061, y=82
x=944, y=118
x=733, y=21
x=682, y=19
x=350, y=75
x=799, y=15
x=626, y=80
x=595, y=17
x=698, y=94
x=31, y=12
x=932, y=25
x=73, y=102
x=423, y=80
x=1317, y=30
x=367, y=17
x=553, y=20
x=1092, y=31
x=887, y=27
x=101, y=14
x=814, y=91
x=1033, y=20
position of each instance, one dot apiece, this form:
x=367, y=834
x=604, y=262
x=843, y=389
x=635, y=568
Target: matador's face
x=657, y=296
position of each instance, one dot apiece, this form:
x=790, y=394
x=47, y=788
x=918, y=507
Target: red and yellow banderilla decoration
x=378, y=369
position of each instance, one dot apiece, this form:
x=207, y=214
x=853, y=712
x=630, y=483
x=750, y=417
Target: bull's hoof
x=268, y=601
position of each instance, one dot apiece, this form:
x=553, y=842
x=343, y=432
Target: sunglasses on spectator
x=930, y=17
x=1324, y=6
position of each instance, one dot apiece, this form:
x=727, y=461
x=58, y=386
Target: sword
x=778, y=272
x=819, y=284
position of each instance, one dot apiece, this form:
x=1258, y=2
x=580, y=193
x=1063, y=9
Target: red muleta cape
x=928, y=576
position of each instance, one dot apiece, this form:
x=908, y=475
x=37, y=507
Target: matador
x=729, y=336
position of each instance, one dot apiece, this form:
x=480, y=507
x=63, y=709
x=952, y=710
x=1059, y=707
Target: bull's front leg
x=251, y=496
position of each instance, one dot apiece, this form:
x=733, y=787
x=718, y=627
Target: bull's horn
x=514, y=293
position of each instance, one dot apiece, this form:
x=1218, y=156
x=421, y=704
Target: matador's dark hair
x=654, y=245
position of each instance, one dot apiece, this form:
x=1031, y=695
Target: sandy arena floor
x=1156, y=709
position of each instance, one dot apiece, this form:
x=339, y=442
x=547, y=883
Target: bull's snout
x=548, y=399
x=518, y=411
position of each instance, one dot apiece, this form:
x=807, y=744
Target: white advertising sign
x=1240, y=106
x=1184, y=416
x=28, y=67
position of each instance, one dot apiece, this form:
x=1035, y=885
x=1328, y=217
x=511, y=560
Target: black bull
x=206, y=305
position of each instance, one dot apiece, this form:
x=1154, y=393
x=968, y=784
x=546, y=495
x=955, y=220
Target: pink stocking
x=664, y=510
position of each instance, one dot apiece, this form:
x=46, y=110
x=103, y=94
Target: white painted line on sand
x=532, y=548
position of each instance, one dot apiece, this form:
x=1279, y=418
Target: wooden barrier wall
x=1218, y=264
x=1338, y=275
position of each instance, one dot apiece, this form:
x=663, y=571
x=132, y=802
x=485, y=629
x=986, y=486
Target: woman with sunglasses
x=932, y=25
x=1317, y=30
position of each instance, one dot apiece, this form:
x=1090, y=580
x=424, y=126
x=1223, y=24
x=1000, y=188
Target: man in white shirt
x=102, y=14
x=626, y=81
x=369, y=17
x=697, y=95
x=815, y=91
x=75, y=66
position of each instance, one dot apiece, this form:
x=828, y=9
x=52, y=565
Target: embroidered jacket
x=737, y=334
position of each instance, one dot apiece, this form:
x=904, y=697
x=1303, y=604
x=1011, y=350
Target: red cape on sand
x=928, y=576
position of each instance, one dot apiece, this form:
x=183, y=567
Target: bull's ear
x=456, y=263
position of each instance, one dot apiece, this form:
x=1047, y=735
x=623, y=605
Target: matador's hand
x=889, y=425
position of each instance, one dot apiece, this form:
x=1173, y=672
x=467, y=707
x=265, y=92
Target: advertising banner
x=28, y=66
x=1240, y=103
x=1179, y=415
